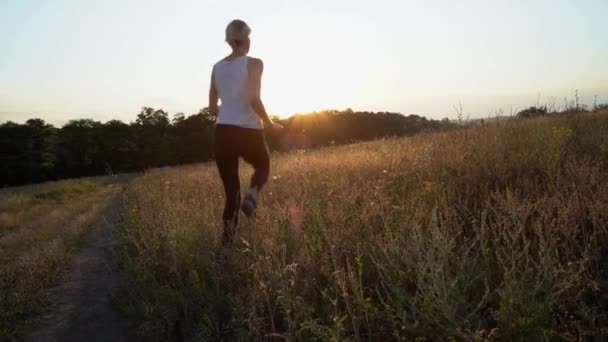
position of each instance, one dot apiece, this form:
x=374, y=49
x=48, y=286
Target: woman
x=236, y=81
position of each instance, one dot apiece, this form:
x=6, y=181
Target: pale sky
x=105, y=59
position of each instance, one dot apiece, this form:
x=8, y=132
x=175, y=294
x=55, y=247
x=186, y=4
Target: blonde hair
x=236, y=31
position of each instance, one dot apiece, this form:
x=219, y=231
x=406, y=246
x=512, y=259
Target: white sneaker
x=250, y=202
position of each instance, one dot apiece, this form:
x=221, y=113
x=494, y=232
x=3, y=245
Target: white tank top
x=231, y=81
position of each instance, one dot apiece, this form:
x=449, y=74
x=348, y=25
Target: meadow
x=41, y=227
x=492, y=233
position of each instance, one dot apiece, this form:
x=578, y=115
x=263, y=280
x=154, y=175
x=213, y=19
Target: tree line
x=36, y=151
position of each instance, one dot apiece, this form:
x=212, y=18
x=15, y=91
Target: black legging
x=232, y=142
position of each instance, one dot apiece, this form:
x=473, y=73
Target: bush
x=532, y=112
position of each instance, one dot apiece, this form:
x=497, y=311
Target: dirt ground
x=84, y=310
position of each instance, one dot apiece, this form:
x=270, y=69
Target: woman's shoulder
x=255, y=63
x=254, y=59
x=228, y=59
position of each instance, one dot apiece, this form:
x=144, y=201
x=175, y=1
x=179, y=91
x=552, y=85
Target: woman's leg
x=255, y=152
x=227, y=160
x=228, y=169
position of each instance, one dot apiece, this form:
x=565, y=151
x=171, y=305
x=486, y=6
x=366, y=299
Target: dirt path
x=84, y=310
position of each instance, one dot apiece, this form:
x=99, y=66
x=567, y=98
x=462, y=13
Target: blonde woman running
x=240, y=120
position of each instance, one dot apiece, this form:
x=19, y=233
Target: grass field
x=497, y=232
x=40, y=228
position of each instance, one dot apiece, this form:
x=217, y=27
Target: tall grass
x=498, y=232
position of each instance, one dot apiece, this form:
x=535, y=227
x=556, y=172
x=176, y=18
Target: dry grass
x=40, y=227
x=490, y=233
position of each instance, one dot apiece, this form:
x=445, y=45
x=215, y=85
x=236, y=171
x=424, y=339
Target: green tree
x=77, y=149
x=26, y=152
x=152, y=137
x=117, y=148
x=193, y=137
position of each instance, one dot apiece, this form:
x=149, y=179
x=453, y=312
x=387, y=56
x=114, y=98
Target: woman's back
x=231, y=81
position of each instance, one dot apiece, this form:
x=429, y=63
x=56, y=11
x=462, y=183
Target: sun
x=287, y=90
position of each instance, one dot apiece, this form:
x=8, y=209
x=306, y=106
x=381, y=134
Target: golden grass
x=42, y=226
x=497, y=232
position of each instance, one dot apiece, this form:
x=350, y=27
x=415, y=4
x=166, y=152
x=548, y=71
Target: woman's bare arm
x=255, y=68
x=213, y=97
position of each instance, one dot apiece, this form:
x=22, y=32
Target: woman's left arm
x=213, y=97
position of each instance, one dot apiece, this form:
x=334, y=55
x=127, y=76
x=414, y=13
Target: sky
x=105, y=59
